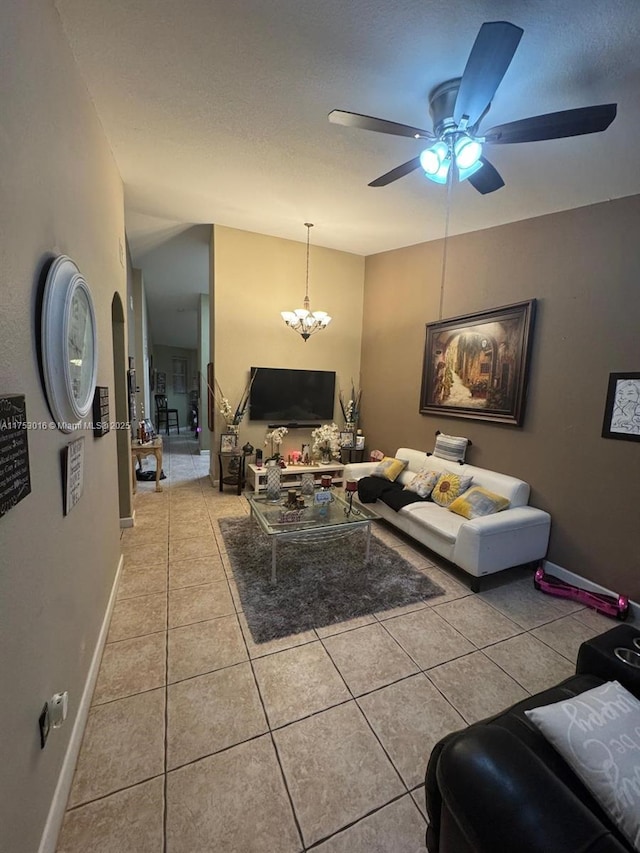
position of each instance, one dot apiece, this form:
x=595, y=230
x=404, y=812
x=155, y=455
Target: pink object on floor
x=615, y=606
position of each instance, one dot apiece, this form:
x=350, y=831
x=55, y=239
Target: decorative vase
x=350, y=426
x=326, y=456
x=274, y=473
x=307, y=484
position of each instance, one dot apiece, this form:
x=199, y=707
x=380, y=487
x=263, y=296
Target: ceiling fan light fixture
x=433, y=157
x=467, y=152
x=442, y=174
x=463, y=174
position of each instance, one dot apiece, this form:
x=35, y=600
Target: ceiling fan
x=457, y=108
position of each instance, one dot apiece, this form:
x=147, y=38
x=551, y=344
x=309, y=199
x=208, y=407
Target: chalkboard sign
x=101, y=411
x=15, y=480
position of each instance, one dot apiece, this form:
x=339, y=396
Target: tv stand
x=293, y=426
x=291, y=476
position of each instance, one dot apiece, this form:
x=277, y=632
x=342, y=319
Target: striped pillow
x=450, y=447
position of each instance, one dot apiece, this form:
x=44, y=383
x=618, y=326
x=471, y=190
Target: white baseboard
x=202, y=452
x=49, y=840
x=590, y=586
x=212, y=477
x=128, y=521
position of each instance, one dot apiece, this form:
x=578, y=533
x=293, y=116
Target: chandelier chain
x=309, y=226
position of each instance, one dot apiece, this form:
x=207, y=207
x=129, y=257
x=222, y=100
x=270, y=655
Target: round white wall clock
x=69, y=343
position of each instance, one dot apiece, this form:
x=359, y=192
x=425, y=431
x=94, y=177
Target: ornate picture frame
x=228, y=442
x=622, y=408
x=476, y=366
x=346, y=440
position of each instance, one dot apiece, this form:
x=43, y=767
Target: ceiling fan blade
x=487, y=179
x=488, y=61
x=398, y=172
x=380, y=125
x=554, y=125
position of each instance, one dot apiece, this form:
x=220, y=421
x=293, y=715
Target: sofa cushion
x=434, y=517
x=390, y=468
x=423, y=482
x=477, y=502
x=449, y=487
x=450, y=447
x=598, y=735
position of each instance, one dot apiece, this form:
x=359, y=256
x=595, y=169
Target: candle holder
x=351, y=487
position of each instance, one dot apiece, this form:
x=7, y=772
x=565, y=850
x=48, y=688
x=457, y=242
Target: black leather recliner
x=500, y=787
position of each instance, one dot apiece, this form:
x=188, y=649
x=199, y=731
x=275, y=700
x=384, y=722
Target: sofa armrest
x=357, y=470
x=508, y=538
x=503, y=798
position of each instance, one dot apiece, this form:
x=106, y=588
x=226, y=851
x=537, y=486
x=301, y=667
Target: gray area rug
x=317, y=584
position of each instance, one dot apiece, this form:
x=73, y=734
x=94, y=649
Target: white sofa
x=481, y=546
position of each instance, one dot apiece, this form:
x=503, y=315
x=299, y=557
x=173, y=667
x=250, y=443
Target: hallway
x=200, y=740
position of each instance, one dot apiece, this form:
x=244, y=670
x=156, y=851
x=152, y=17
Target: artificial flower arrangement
x=275, y=437
x=351, y=408
x=224, y=406
x=326, y=439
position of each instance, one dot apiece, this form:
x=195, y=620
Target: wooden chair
x=163, y=413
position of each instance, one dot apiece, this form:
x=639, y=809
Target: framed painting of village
x=477, y=366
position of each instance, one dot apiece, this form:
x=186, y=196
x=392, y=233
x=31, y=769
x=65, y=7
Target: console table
x=291, y=476
x=150, y=448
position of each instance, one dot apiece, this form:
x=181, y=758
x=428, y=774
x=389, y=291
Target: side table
x=150, y=448
x=231, y=470
x=351, y=454
x=597, y=657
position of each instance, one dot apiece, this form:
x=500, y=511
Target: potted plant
x=275, y=437
x=326, y=442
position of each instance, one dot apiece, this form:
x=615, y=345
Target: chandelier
x=303, y=320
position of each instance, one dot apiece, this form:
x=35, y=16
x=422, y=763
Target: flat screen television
x=280, y=394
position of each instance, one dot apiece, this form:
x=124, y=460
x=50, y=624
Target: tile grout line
x=270, y=732
x=166, y=679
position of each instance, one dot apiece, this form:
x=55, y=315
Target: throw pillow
x=451, y=447
x=598, y=735
x=423, y=483
x=449, y=487
x=477, y=502
x=390, y=468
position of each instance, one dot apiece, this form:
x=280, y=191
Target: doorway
x=125, y=498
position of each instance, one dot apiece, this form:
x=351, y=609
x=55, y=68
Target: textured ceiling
x=216, y=110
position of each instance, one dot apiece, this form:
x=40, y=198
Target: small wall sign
x=101, y=411
x=73, y=474
x=15, y=479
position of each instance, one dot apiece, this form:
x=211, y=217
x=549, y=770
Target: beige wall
x=256, y=277
x=582, y=267
x=61, y=194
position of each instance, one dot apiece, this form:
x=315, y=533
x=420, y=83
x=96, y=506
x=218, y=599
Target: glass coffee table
x=319, y=522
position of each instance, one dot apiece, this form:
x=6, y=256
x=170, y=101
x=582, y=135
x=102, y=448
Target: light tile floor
x=199, y=739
